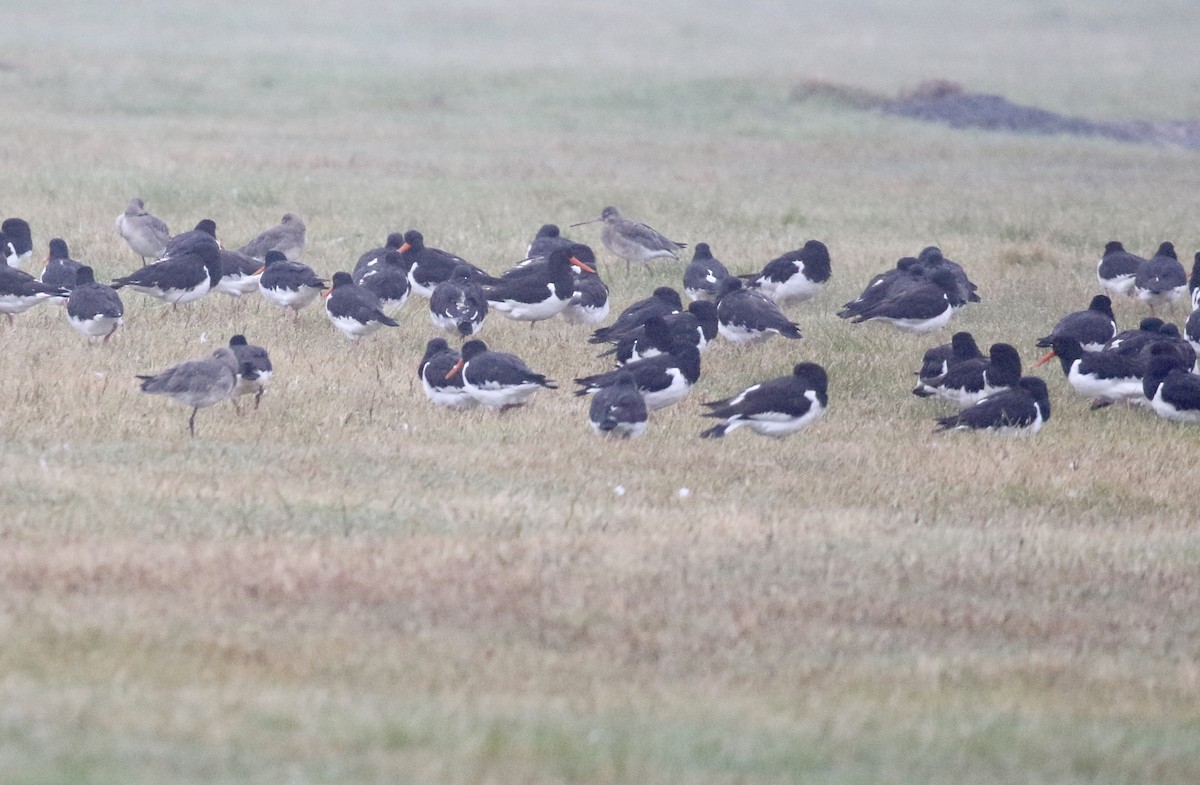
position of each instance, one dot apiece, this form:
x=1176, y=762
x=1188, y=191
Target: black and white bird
x=196, y=383
x=923, y=308
x=1172, y=392
x=663, y=301
x=536, y=296
x=441, y=376
x=633, y=241
x=145, y=233
x=1019, y=411
x=1161, y=280
x=1117, y=269
x=189, y=270
x=795, y=276
x=1132, y=342
x=965, y=291
x=907, y=274
x=458, y=305
x=1105, y=377
x=589, y=304
x=93, y=308
x=1092, y=328
x=970, y=381
x=254, y=368
x=354, y=310
x=288, y=237
x=548, y=239
x=375, y=256
x=289, y=285
x=239, y=274
x=697, y=324
x=940, y=359
x=653, y=337
x=387, y=277
x=20, y=291
x=663, y=379
x=777, y=407
x=619, y=409
x=745, y=316
x=18, y=233
x=60, y=270
x=427, y=267
x=703, y=275
x=498, y=380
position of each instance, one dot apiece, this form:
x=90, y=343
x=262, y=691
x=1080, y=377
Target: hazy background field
x=349, y=586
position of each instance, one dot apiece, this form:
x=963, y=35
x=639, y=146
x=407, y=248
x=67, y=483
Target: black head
x=906, y=263
x=461, y=273
x=658, y=333
x=930, y=255
x=18, y=233
x=1067, y=349
x=729, y=285
x=394, y=240
x=473, y=349
x=58, y=249
x=547, y=231
x=813, y=376
x=1168, y=330
x=702, y=252
x=1005, y=364
x=272, y=257
x=963, y=346
x=580, y=254
x=342, y=279
x=208, y=226
x=1036, y=387
x=1151, y=324
x=414, y=240
x=1113, y=246
x=669, y=296
x=1101, y=304
x=945, y=279
x=1166, y=249
x=238, y=340
x=84, y=275
x=434, y=346
x=704, y=310
x=403, y=261
x=816, y=260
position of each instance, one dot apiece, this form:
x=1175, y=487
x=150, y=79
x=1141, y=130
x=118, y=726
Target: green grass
x=348, y=585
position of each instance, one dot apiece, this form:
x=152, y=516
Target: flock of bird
x=656, y=342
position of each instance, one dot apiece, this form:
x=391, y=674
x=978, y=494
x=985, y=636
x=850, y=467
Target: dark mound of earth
x=948, y=103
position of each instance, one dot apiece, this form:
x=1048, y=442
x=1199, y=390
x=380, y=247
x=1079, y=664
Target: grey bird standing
x=633, y=241
x=196, y=383
x=146, y=234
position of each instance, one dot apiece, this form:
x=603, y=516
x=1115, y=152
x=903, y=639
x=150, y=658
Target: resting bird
x=1161, y=279
x=619, y=409
x=1020, y=410
x=795, y=276
x=777, y=407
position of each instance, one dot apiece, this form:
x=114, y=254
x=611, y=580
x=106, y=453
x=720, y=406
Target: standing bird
x=289, y=285
x=922, y=308
x=663, y=301
x=18, y=233
x=387, y=277
x=354, y=309
x=498, y=380
x=703, y=275
x=1117, y=269
x=427, y=267
x=287, y=238
x=440, y=380
x=196, y=383
x=1019, y=411
x=590, y=303
x=93, y=308
x=633, y=241
x=535, y=296
x=61, y=269
x=254, y=368
x=145, y=233
x=777, y=407
x=459, y=304
x=1105, y=377
x=1092, y=328
x=745, y=316
x=20, y=291
x=1161, y=279
x=188, y=271
x=619, y=409
x=796, y=276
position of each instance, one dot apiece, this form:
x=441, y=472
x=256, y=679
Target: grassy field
x=351, y=586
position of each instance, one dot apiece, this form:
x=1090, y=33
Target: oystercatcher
x=61, y=270
x=796, y=276
x=1019, y=411
x=589, y=304
x=547, y=239
x=965, y=291
x=289, y=285
x=663, y=301
x=940, y=359
x=697, y=324
x=745, y=316
x=1105, y=377
x=533, y=297
x=633, y=241
x=18, y=233
x=20, y=291
x=703, y=275
x=1117, y=268
x=971, y=380
x=287, y=238
x=254, y=368
x=145, y=233
x=430, y=266
x=440, y=380
x=1194, y=282
x=375, y=256
x=196, y=383
x=1161, y=279
x=93, y=308
x=663, y=379
x=354, y=309
x=906, y=275
x=498, y=380
x=239, y=274
x=777, y=407
x=459, y=305
x=619, y=409
x=387, y=277
x=1173, y=393
x=1092, y=328
x=919, y=309
x=190, y=269
x=653, y=337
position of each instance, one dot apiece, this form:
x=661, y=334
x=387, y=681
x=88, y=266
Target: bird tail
x=715, y=432
x=790, y=330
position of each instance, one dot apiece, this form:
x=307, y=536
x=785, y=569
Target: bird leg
x=192, y=422
x=257, y=398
